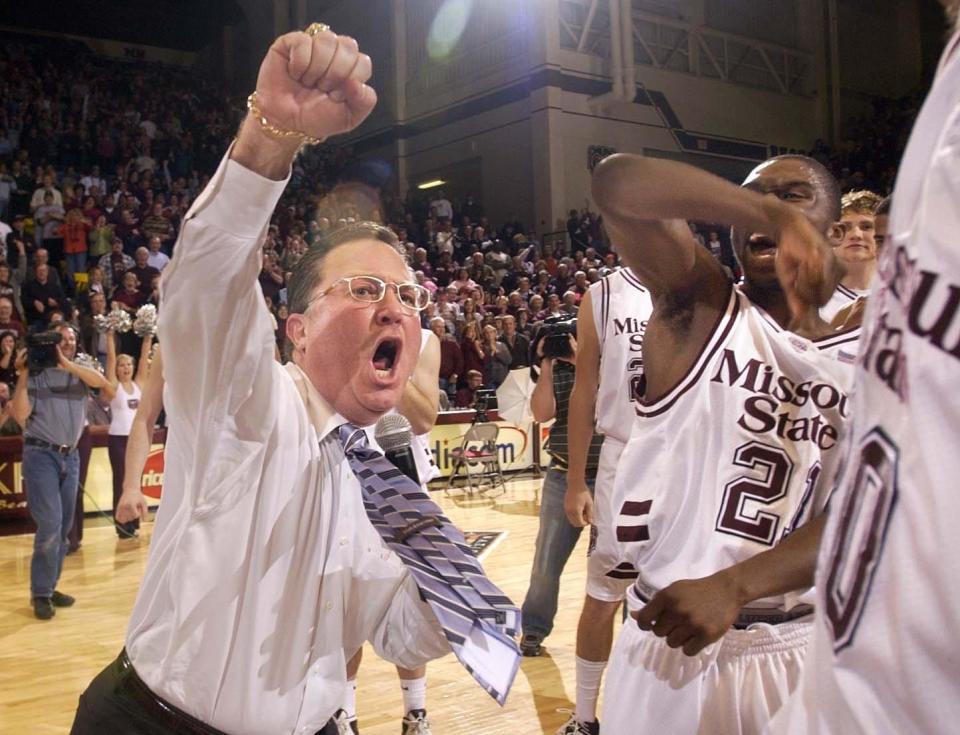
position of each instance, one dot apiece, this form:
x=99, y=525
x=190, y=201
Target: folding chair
x=478, y=458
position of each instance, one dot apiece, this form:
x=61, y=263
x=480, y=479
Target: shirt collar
x=321, y=413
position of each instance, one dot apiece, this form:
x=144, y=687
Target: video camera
x=42, y=350
x=483, y=400
x=555, y=333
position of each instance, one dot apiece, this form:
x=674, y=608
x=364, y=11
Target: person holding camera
x=50, y=404
x=556, y=352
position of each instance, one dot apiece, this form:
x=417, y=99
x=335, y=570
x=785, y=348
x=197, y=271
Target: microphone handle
x=403, y=460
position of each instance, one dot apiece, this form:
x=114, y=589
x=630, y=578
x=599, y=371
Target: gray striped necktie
x=478, y=620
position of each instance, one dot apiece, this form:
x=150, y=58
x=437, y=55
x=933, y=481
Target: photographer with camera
x=50, y=404
x=555, y=347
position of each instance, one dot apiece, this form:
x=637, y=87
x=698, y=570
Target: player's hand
x=806, y=265
x=315, y=85
x=578, y=503
x=849, y=316
x=692, y=613
x=132, y=505
x=20, y=363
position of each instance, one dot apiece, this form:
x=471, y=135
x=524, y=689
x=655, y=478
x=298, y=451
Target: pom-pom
x=146, y=320
x=88, y=361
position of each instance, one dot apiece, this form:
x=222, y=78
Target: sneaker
x=531, y=644
x=43, y=608
x=415, y=723
x=345, y=726
x=61, y=600
x=573, y=726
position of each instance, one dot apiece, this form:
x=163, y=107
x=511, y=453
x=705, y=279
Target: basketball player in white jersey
x=419, y=404
x=609, y=375
x=738, y=420
x=884, y=652
x=857, y=250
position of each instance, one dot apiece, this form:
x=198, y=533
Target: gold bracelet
x=273, y=129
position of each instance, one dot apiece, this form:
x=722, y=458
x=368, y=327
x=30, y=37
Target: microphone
x=395, y=435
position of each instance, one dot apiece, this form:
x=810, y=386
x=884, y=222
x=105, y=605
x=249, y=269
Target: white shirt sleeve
x=214, y=325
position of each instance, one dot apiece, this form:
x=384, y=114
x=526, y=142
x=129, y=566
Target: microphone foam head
x=393, y=431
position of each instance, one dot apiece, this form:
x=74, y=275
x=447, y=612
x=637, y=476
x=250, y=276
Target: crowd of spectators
x=100, y=161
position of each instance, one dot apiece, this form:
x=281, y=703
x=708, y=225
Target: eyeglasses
x=370, y=290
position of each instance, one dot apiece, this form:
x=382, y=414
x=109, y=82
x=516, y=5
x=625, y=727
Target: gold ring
x=315, y=28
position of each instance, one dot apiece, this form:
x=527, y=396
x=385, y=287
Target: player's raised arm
x=646, y=201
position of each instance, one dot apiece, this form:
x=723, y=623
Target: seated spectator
x=569, y=304
x=92, y=341
x=467, y=395
x=271, y=277
x=448, y=308
x=40, y=296
x=156, y=258
x=45, y=190
x=421, y=278
x=8, y=424
x=143, y=271
x=481, y=273
x=8, y=317
x=463, y=281
x=128, y=295
x=552, y=309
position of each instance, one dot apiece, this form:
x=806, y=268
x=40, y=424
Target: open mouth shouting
x=386, y=357
x=761, y=245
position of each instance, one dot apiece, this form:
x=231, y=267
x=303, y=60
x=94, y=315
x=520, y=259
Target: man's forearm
x=543, y=404
x=787, y=567
x=92, y=378
x=20, y=403
x=630, y=187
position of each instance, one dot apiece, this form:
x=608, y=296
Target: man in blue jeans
x=50, y=403
x=556, y=537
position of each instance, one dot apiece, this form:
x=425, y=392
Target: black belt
x=59, y=448
x=748, y=615
x=159, y=710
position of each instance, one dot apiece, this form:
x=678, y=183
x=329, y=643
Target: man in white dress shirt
x=265, y=575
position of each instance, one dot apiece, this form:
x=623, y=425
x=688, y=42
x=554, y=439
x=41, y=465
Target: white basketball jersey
x=728, y=461
x=621, y=308
x=884, y=658
x=841, y=297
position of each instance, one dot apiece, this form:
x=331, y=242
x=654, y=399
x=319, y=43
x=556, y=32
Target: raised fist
x=315, y=84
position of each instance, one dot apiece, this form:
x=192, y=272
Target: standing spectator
x=74, y=231
x=8, y=359
x=156, y=258
x=46, y=189
x=271, y=277
x=123, y=392
x=93, y=181
x=441, y=207
x=19, y=234
x=451, y=358
x=498, y=358
x=474, y=358
x=156, y=224
x=49, y=215
x=696, y=234
x=40, y=296
x=114, y=264
x=518, y=344
x=100, y=238
x=714, y=245
x=51, y=406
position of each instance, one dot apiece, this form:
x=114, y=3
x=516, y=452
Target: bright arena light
x=447, y=27
x=431, y=184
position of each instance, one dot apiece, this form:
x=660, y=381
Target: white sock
x=349, y=703
x=414, y=693
x=589, y=674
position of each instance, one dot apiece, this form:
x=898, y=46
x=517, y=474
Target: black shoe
x=415, y=723
x=531, y=644
x=61, y=600
x=343, y=724
x=43, y=608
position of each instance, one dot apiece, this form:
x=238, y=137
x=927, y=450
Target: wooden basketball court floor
x=44, y=665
